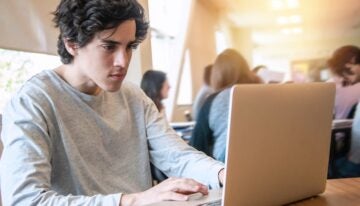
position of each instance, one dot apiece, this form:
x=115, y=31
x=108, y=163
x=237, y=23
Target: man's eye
x=108, y=47
x=132, y=46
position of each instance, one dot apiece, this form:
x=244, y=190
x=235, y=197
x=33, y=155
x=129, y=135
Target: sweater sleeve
x=173, y=156
x=26, y=161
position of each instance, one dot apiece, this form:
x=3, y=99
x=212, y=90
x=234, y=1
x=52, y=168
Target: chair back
x=351, y=114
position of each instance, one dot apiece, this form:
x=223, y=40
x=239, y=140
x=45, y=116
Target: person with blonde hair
x=210, y=131
x=231, y=68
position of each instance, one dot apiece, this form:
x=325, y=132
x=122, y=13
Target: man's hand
x=177, y=189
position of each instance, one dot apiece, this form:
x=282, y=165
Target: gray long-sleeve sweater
x=63, y=147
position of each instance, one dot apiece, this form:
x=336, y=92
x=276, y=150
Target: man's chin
x=113, y=88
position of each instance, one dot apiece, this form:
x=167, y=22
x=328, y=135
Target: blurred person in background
x=204, y=92
x=210, y=131
x=156, y=86
x=347, y=92
x=349, y=166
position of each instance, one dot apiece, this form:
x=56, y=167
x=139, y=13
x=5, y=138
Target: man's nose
x=122, y=58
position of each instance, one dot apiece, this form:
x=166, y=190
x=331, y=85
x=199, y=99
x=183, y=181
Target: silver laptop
x=278, y=144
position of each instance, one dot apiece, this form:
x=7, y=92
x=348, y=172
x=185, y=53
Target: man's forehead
x=117, y=32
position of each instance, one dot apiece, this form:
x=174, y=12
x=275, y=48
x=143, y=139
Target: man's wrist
x=128, y=199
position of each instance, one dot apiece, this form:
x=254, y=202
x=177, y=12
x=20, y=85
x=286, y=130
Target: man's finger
x=174, y=196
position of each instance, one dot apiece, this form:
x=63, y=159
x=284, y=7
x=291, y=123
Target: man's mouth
x=117, y=76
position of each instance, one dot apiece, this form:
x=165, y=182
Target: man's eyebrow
x=109, y=41
x=131, y=42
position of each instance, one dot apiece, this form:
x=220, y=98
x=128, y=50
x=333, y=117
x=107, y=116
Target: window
x=221, y=43
x=185, y=87
x=16, y=67
x=168, y=22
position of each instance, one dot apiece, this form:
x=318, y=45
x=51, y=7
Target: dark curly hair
x=151, y=83
x=342, y=56
x=80, y=20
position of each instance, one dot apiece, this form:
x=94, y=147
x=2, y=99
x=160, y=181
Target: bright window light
x=295, y=19
x=294, y=30
x=284, y=4
x=297, y=30
x=282, y=20
x=292, y=4
x=286, y=31
x=185, y=87
x=277, y=4
x=16, y=67
x=221, y=43
x=169, y=24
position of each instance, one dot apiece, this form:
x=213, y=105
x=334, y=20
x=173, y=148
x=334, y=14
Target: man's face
x=102, y=64
x=354, y=71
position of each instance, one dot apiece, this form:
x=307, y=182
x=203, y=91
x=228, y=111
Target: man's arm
x=174, y=189
x=170, y=154
x=26, y=162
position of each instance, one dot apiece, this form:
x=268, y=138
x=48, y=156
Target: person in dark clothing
x=204, y=140
x=209, y=135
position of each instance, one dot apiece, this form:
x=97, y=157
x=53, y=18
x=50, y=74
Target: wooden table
x=339, y=192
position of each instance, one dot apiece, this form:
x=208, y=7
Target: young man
x=79, y=135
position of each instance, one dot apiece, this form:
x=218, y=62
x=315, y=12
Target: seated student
x=156, y=86
x=204, y=92
x=350, y=166
x=347, y=93
x=210, y=131
x=79, y=135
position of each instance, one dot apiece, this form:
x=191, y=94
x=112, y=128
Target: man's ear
x=71, y=46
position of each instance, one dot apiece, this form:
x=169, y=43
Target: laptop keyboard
x=212, y=203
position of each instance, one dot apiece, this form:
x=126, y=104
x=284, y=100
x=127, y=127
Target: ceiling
x=319, y=19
